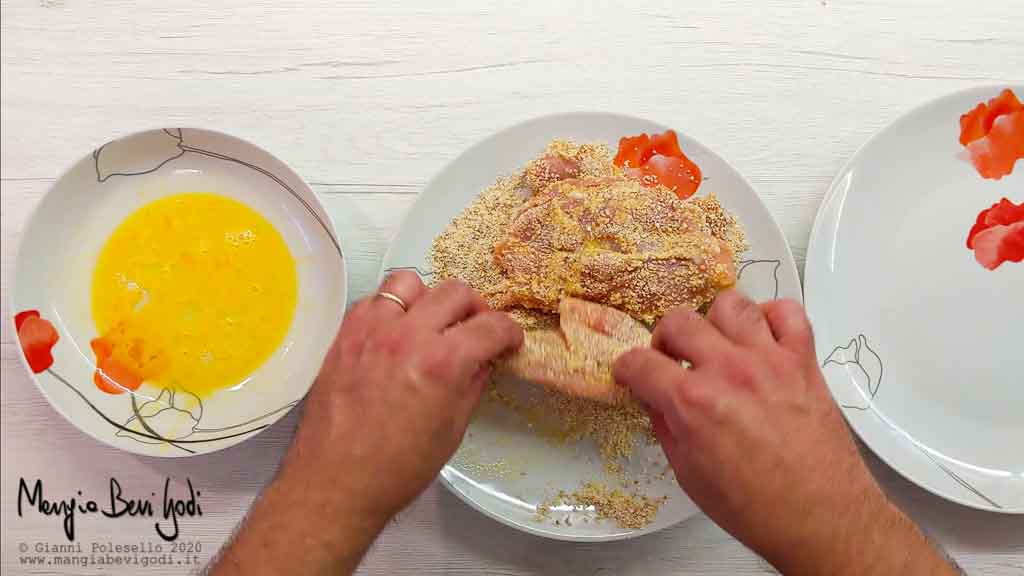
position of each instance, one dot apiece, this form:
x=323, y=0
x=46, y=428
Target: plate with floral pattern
x=52, y=304
x=915, y=285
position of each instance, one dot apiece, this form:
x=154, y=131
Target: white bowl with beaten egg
x=176, y=291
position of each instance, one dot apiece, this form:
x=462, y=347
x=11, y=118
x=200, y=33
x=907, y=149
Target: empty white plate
x=540, y=467
x=62, y=242
x=920, y=344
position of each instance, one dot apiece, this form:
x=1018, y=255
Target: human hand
x=756, y=441
x=389, y=408
x=396, y=391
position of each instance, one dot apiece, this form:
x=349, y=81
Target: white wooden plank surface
x=367, y=101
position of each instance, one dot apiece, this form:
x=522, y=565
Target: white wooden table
x=367, y=101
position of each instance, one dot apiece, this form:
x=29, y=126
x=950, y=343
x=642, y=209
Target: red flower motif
x=998, y=234
x=658, y=159
x=112, y=376
x=993, y=134
x=37, y=337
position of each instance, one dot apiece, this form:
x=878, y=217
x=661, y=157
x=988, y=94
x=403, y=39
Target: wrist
x=331, y=490
x=824, y=535
x=865, y=535
x=298, y=526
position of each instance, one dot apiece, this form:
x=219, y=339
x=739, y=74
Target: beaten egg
x=193, y=291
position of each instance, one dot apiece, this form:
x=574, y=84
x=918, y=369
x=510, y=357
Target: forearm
x=870, y=537
x=900, y=547
x=300, y=527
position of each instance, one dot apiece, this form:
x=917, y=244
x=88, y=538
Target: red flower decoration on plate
x=993, y=133
x=998, y=234
x=37, y=337
x=112, y=376
x=658, y=159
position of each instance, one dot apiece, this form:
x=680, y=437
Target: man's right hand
x=757, y=442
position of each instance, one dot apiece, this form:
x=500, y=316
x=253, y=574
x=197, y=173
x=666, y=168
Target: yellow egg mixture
x=193, y=291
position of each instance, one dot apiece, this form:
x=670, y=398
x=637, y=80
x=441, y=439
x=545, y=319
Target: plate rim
x=816, y=243
x=33, y=215
x=540, y=119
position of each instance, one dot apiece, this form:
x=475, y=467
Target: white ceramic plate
x=63, y=239
x=537, y=467
x=920, y=344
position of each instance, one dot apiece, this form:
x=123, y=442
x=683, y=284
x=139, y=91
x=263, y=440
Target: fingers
x=404, y=284
x=471, y=398
x=482, y=338
x=367, y=314
x=355, y=326
x=668, y=441
x=685, y=335
x=655, y=380
x=449, y=303
x=480, y=379
x=464, y=395
x=789, y=325
x=740, y=319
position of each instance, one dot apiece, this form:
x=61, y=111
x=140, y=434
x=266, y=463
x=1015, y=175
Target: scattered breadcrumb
x=616, y=429
x=498, y=470
x=627, y=509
